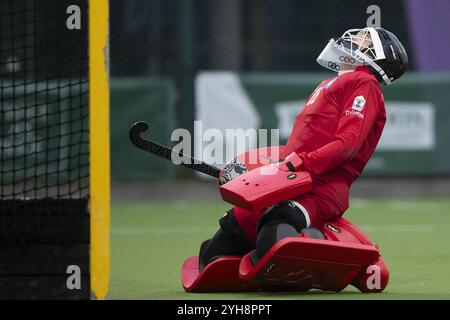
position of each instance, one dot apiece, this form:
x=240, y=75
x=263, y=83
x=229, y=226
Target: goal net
x=45, y=149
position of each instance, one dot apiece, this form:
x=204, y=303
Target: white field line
x=405, y=205
x=131, y=231
x=401, y=205
x=135, y=231
x=398, y=228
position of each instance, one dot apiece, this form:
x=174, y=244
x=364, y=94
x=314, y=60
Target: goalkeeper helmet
x=376, y=48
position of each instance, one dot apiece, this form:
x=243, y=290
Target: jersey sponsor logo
x=358, y=103
x=354, y=113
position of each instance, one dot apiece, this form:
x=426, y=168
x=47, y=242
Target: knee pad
x=270, y=233
x=278, y=222
x=288, y=211
x=229, y=240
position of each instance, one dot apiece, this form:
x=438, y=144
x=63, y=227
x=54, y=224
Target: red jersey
x=335, y=134
x=338, y=129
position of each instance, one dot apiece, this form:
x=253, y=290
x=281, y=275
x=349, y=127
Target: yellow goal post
x=99, y=167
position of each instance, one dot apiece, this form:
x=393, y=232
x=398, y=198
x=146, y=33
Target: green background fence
x=155, y=100
x=429, y=90
x=132, y=100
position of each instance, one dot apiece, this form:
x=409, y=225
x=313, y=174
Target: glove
x=232, y=169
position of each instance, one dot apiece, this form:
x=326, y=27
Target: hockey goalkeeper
x=333, y=138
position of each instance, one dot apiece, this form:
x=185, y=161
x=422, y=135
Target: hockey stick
x=165, y=152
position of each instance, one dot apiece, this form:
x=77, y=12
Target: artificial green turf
x=149, y=242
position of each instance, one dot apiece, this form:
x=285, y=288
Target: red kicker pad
x=302, y=264
x=221, y=275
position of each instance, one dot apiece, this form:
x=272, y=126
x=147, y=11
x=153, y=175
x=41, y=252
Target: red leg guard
x=305, y=263
x=221, y=275
x=346, y=257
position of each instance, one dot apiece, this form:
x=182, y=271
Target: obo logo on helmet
x=347, y=59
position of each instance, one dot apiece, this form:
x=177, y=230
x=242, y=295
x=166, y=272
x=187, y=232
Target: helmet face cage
x=357, y=39
x=362, y=41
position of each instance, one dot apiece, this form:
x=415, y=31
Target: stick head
x=135, y=133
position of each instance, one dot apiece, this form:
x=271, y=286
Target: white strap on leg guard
x=304, y=211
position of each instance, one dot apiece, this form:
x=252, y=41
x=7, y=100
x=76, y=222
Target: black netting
x=44, y=137
x=162, y=37
x=177, y=39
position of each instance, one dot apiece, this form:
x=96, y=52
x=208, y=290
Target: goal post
x=99, y=169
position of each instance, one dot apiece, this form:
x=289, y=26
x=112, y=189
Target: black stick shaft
x=165, y=152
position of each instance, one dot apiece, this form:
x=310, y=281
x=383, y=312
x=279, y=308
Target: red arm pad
x=265, y=186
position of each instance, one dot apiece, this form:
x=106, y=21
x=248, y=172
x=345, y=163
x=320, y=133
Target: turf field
x=151, y=240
